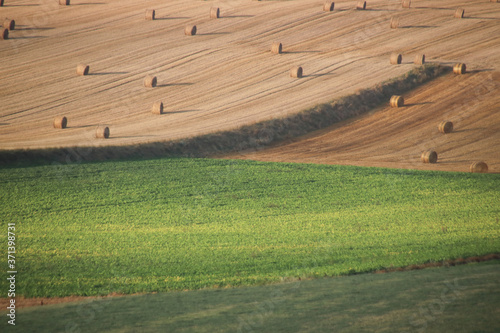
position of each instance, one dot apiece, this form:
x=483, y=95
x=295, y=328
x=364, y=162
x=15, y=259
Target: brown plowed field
x=225, y=76
x=395, y=137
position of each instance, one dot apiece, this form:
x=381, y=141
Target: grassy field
x=456, y=299
x=177, y=224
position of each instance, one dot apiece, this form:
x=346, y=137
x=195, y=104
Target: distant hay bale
x=406, y=3
x=479, y=167
x=82, y=69
x=4, y=33
x=157, y=108
x=214, y=12
x=459, y=69
x=9, y=24
x=296, y=72
x=445, y=127
x=459, y=13
x=397, y=101
x=150, y=81
x=102, y=132
x=394, y=22
x=429, y=156
x=396, y=58
x=277, y=48
x=328, y=6
x=419, y=59
x=361, y=5
x=150, y=14
x=190, y=30
x=64, y=2
x=60, y=122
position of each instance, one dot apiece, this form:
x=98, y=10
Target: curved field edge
x=176, y=224
x=254, y=136
x=458, y=299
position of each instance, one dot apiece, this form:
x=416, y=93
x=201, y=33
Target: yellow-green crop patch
x=175, y=224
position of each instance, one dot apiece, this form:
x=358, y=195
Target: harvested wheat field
x=225, y=76
x=396, y=137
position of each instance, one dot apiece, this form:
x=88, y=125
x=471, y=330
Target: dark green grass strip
x=456, y=299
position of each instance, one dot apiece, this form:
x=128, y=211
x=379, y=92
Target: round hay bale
x=296, y=72
x=361, y=5
x=459, y=13
x=150, y=81
x=9, y=24
x=60, y=122
x=190, y=30
x=396, y=58
x=82, y=69
x=419, y=59
x=102, y=132
x=479, y=167
x=394, y=22
x=429, y=156
x=397, y=101
x=157, y=108
x=64, y=2
x=459, y=69
x=4, y=33
x=406, y=3
x=150, y=14
x=328, y=6
x=214, y=12
x=277, y=48
x=445, y=127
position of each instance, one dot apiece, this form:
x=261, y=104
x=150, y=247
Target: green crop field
x=176, y=224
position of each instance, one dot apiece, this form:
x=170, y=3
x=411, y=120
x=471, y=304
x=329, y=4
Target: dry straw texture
x=479, y=167
x=419, y=59
x=459, y=69
x=4, y=34
x=9, y=24
x=459, y=13
x=190, y=30
x=150, y=81
x=296, y=72
x=60, y=122
x=157, y=108
x=406, y=3
x=394, y=22
x=397, y=101
x=396, y=58
x=445, y=127
x=82, y=69
x=429, y=156
x=361, y=5
x=64, y=2
x=277, y=48
x=328, y=6
x=214, y=12
x=102, y=132
x=150, y=14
